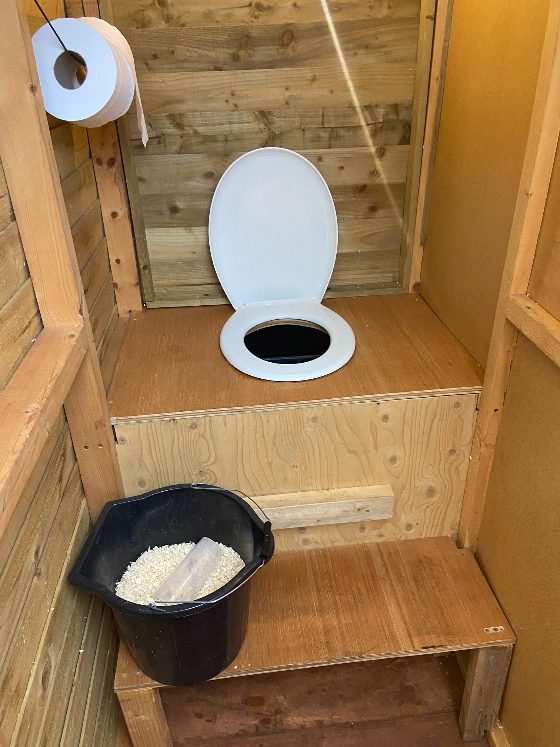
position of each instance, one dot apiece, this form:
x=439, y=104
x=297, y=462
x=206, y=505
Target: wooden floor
x=171, y=362
x=400, y=703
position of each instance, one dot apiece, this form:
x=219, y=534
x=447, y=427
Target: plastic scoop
x=186, y=581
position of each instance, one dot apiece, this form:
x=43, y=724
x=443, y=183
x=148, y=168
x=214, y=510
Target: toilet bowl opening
x=285, y=341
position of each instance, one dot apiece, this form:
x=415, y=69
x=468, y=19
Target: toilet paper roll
x=99, y=91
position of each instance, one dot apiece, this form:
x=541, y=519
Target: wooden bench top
x=170, y=361
x=352, y=603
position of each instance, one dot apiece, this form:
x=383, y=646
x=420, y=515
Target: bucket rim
x=184, y=609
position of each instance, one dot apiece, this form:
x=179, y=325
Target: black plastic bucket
x=186, y=643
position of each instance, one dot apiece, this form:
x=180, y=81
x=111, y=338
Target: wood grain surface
x=419, y=445
x=332, y=80
x=337, y=605
x=171, y=361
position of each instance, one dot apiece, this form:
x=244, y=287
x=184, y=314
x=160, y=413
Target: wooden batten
x=30, y=168
x=411, y=261
x=111, y=183
x=420, y=101
x=335, y=506
x=484, y=685
x=537, y=324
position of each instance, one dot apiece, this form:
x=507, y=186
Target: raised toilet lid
x=272, y=229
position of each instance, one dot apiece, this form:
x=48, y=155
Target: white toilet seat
x=232, y=340
x=273, y=238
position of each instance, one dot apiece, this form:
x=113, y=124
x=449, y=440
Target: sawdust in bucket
x=146, y=573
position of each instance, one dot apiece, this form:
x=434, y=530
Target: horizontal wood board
x=338, y=605
x=171, y=361
x=334, y=83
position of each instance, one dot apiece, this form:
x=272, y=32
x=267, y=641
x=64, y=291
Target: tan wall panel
x=544, y=286
x=492, y=68
x=420, y=446
x=519, y=546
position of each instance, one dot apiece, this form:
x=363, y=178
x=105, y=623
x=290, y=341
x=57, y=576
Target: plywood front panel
x=518, y=545
x=545, y=278
x=332, y=81
x=419, y=446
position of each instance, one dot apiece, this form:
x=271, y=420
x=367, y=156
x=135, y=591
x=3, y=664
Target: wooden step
x=370, y=601
x=340, y=604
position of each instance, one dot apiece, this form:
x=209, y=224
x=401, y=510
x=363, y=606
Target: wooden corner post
x=32, y=177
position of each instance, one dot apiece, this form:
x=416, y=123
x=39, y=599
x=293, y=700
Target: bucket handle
x=268, y=542
x=266, y=552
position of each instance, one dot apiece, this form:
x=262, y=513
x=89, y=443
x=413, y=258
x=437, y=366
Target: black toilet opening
x=288, y=341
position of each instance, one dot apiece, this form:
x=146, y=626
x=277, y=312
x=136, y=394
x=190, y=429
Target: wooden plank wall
x=20, y=322
x=494, y=57
x=219, y=79
x=58, y=646
x=75, y=167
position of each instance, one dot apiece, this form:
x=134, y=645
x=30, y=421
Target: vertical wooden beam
x=419, y=105
x=442, y=32
x=145, y=719
x=32, y=177
x=531, y=199
x=137, y=216
x=29, y=164
x=111, y=184
x=484, y=686
x=88, y=417
x=109, y=174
